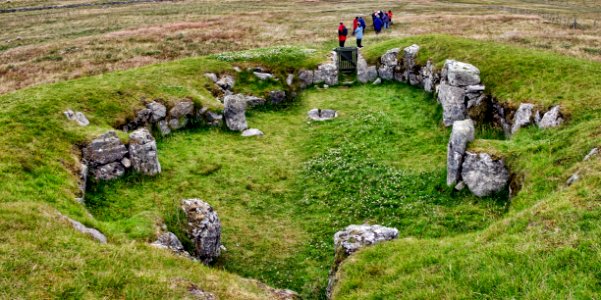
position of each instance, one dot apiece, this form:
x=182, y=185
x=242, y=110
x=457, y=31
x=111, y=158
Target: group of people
x=381, y=20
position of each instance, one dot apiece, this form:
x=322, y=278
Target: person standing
x=355, y=24
x=362, y=23
x=390, y=16
x=377, y=24
x=359, y=36
x=342, y=33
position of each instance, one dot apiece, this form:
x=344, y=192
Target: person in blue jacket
x=378, y=24
x=362, y=23
x=359, y=36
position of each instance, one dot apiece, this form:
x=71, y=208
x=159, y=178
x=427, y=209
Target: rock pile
x=459, y=89
x=353, y=238
x=204, y=229
x=105, y=156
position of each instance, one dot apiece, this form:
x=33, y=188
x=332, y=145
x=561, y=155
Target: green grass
x=281, y=197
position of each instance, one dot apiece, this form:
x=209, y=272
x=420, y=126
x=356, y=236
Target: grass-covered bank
x=281, y=197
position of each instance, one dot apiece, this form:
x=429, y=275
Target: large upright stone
x=105, y=149
x=551, y=119
x=234, y=112
x=306, y=78
x=143, y=152
x=329, y=73
x=461, y=135
x=158, y=111
x=484, y=175
x=430, y=77
x=365, y=73
x=180, y=113
x=460, y=74
x=523, y=117
x=453, y=103
x=204, y=229
x=353, y=238
x=388, y=63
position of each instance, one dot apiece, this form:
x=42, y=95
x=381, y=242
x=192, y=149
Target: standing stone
x=329, y=73
x=143, y=152
x=158, y=111
x=461, y=135
x=353, y=238
x=306, y=78
x=235, y=112
x=409, y=74
x=204, y=229
x=452, y=100
x=103, y=156
x=277, y=97
x=460, y=74
x=179, y=114
x=430, y=77
x=484, y=175
x=523, y=117
x=388, y=63
x=365, y=73
x=552, y=118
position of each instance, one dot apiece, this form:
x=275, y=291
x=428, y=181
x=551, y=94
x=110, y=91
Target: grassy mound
x=282, y=197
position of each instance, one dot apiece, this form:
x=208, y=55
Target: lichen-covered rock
x=452, y=100
x=484, y=175
x=204, y=229
x=328, y=73
x=365, y=73
x=179, y=114
x=252, y=132
x=461, y=135
x=353, y=238
x=410, y=56
x=306, y=78
x=169, y=240
x=105, y=149
x=108, y=171
x=523, y=117
x=388, y=63
x=317, y=114
x=460, y=74
x=386, y=72
x=409, y=71
x=430, y=77
x=226, y=82
x=77, y=117
x=163, y=126
x=551, y=119
x=158, y=111
x=277, y=97
x=235, y=112
x=97, y=235
x=143, y=152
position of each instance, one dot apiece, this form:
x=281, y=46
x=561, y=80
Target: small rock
x=109, y=171
x=593, y=153
x=97, y=235
x=204, y=229
x=237, y=69
x=290, y=79
x=252, y=132
x=551, y=119
x=169, y=240
x=460, y=186
x=126, y=163
x=277, y=97
x=263, y=76
x=573, y=179
x=317, y=114
x=77, y=117
x=377, y=81
x=523, y=117
x=252, y=101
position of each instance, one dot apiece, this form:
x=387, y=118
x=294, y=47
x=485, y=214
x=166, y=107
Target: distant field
x=53, y=45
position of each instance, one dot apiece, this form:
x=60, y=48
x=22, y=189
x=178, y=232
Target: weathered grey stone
x=204, y=229
x=353, y=238
x=317, y=114
x=143, y=152
x=252, y=101
x=329, y=74
x=212, y=76
x=365, y=73
x=252, y=132
x=213, y=119
x=164, y=127
x=226, y=82
x=141, y=119
x=414, y=79
x=290, y=79
x=97, y=235
x=277, y=97
x=500, y=118
x=105, y=149
x=77, y=117
x=460, y=74
x=126, y=163
x=108, y=171
x=235, y=112
x=551, y=119
x=82, y=180
x=318, y=77
x=573, y=179
x=202, y=295
x=158, y=111
x=430, y=77
x=461, y=135
x=592, y=154
x=523, y=117
x=263, y=76
x=484, y=175
x=390, y=58
x=378, y=81
x=452, y=100
x=179, y=114
x=410, y=56
x=306, y=78
x=169, y=240
x=386, y=72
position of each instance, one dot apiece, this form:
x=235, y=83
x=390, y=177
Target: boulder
x=169, y=240
x=108, y=172
x=212, y=76
x=460, y=74
x=234, y=112
x=461, y=135
x=163, y=126
x=143, y=152
x=158, y=111
x=105, y=149
x=452, y=100
x=77, y=117
x=390, y=58
x=317, y=114
x=592, y=154
x=353, y=238
x=386, y=72
x=204, y=229
x=277, y=97
x=97, y=235
x=263, y=76
x=551, y=119
x=410, y=56
x=252, y=132
x=523, y=117
x=226, y=82
x=252, y=101
x=328, y=73
x=306, y=78
x=484, y=175
x=365, y=73
x=179, y=114
x=430, y=78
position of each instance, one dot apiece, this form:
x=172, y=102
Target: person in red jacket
x=390, y=16
x=342, y=33
x=355, y=24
